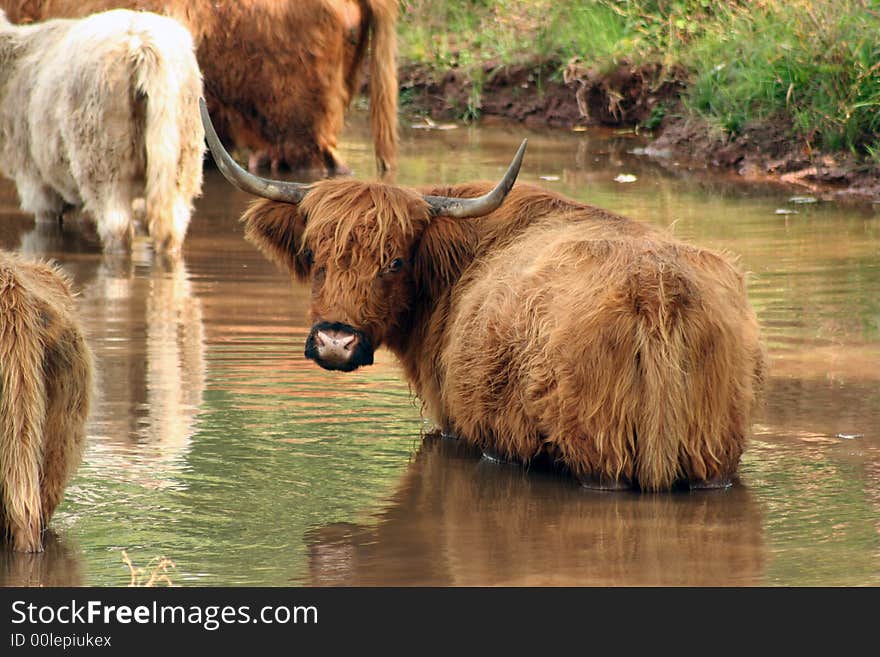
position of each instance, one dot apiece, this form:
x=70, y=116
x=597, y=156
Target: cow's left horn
x=477, y=207
x=274, y=190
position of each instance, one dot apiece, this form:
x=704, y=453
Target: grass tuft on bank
x=811, y=65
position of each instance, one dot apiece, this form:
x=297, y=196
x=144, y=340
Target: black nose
x=336, y=346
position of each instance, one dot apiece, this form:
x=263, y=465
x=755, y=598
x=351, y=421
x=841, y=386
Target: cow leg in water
x=44, y=202
x=167, y=221
x=334, y=165
x=711, y=484
x=598, y=482
x=493, y=455
x=257, y=160
x=271, y=158
x=113, y=215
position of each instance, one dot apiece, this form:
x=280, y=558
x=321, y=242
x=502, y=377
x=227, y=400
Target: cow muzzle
x=336, y=346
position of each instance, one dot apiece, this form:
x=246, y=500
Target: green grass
x=469, y=33
x=814, y=65
x=817, y=63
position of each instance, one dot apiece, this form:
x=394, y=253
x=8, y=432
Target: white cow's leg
x=112, y=212
x=44, y=202
x=167, y=224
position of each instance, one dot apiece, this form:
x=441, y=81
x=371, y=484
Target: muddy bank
x=768, y=152
x=644, y=97
x=547, y=93
x=533, y=94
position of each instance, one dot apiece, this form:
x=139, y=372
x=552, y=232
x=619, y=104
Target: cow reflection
x=57, y=565
x=458, y=520
x=145, y=327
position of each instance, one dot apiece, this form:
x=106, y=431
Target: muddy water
x=215, y=444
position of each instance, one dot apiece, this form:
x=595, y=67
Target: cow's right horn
x=477, y=207
x=274, y=190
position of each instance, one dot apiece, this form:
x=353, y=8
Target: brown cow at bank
x=45, y=388
x=279, y=75
x=540, y=327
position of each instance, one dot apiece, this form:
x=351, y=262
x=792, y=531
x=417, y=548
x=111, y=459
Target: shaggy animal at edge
x=99, y=111
x=530, y=324
x=45, y=390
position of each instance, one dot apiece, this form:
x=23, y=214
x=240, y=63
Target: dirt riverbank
x=646, y=98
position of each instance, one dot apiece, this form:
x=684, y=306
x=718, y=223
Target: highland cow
x=95, y=112
x=529, y=324
x=279, y=75
x=45, y=389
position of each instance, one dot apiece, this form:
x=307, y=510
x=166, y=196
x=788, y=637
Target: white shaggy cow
x=99, y=111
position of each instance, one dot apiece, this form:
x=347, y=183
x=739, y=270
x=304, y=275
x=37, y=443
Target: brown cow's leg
x=714, y=483
x=334, y=165
x=601, y=482
x=258, y=160
x=495, y=456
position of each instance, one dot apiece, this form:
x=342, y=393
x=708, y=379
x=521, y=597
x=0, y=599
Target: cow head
x=371, y=251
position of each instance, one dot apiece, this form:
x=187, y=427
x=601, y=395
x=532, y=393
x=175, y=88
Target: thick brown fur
x=279, y=75
x=45, y=390
x=546, y=328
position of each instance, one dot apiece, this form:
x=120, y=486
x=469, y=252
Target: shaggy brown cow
x=278, y=75
x=45, y=388
x=544, y=328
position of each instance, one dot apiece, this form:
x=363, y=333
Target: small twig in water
x=158, y=572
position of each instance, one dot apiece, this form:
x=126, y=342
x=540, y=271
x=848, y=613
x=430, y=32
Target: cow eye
x=394, y=266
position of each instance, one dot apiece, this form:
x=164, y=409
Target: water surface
x=214, y=443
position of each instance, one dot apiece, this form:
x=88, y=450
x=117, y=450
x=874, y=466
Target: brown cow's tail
x=383, y=82
x=22, y=413
x=698, y=367
x=167, y=77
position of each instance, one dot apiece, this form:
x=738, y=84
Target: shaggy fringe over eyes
x=350, y=223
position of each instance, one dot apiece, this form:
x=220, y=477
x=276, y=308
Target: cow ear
x=446, y=247
x=276, y=229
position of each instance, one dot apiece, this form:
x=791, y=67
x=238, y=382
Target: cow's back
x=22, y=52
x=92, y=96
x=562, y=339
x=69, y=77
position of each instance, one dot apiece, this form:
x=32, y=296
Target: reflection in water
x=175, y=362
x=461, y=520
x=145, y=327
x=214, y=442
x=57, y=565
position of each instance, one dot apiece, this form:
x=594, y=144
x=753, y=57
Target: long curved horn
x=274, y=190
x=477, y=207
